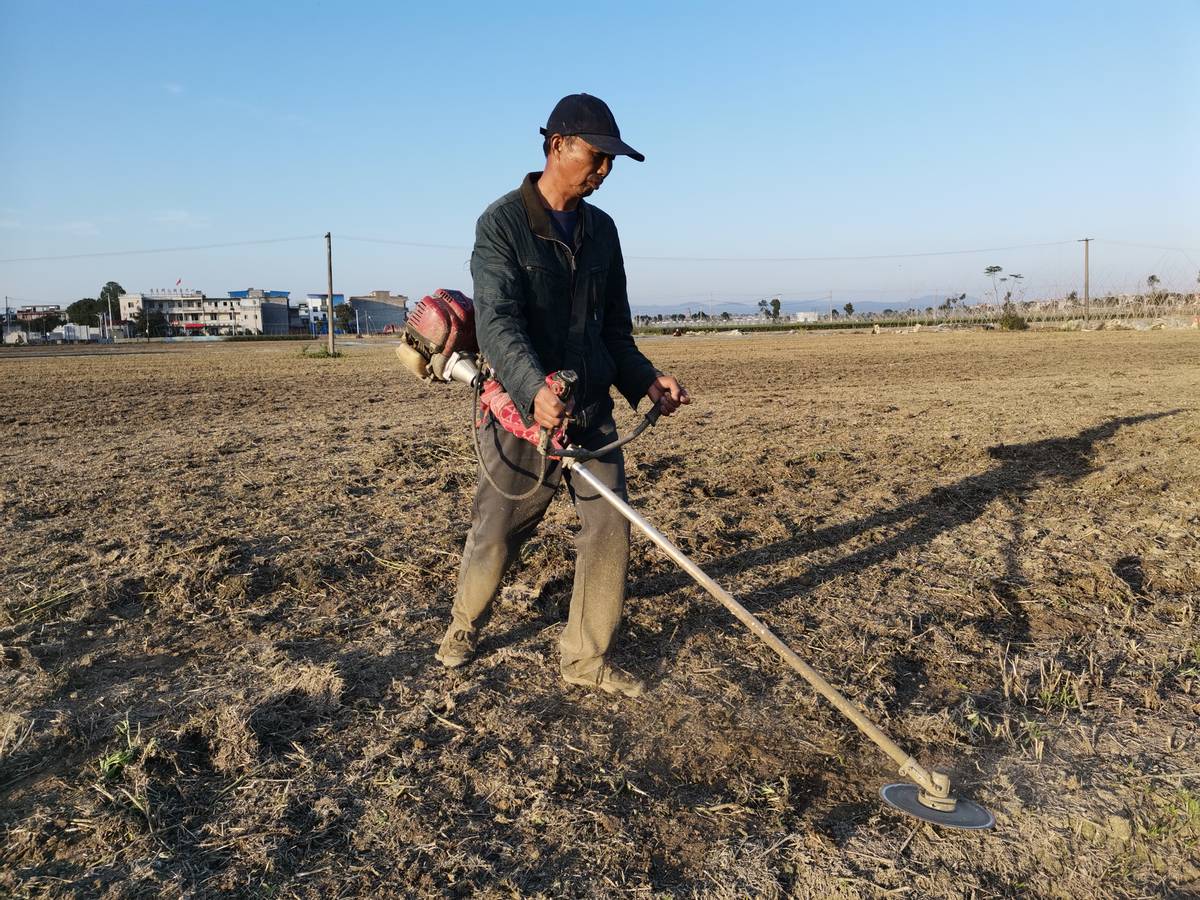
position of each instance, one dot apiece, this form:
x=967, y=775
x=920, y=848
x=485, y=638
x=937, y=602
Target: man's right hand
x=548, y=410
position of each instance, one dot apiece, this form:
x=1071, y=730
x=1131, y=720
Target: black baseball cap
x=590, y=118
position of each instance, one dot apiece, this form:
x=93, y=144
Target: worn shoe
x=609, y=678
x=457, y=647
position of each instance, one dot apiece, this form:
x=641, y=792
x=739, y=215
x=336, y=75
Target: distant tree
x=774, y=307
x=152, y=325
x=1073, y=297
x=763, y=307
x=1011, y=320
x=112, y=291
x=343, y=317
x=1152, y=283
x=45, y=324
x=992, y=272
x=849, y=308
x=84, y=312
x=833, y=314
x=725, y=317
x=1016, y=291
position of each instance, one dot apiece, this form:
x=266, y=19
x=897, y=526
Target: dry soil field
x=224, y=569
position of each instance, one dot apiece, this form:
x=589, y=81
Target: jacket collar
x=539, y=219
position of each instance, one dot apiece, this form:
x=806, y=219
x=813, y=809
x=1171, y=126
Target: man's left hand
x=667, y=393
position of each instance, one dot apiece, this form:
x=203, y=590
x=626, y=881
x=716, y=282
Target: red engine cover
x=443, y=322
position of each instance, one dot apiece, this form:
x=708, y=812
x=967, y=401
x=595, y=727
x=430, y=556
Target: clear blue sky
x=770, y=130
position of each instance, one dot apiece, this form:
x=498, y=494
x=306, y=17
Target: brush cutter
x=439, y=345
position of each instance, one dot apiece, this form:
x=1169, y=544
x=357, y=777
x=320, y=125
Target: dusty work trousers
x=499, y=526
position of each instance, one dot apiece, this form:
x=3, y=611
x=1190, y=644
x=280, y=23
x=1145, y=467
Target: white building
x=309, y=314
x=192, y=313
x=71, y=333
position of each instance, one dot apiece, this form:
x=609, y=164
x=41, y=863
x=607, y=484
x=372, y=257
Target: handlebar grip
x=562, y=383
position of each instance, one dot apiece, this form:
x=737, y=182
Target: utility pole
x=329, y=308
x=1087, y=301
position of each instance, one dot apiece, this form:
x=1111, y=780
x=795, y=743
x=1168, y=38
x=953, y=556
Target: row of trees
x=1153, y=281
x=681, y=317
x=1008, y=290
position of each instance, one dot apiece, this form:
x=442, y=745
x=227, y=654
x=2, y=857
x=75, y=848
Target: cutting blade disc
x=967, y=814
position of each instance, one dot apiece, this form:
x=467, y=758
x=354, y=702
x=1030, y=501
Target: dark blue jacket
x=541, y=305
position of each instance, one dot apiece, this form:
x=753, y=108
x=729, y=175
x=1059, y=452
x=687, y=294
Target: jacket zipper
x=571, y=262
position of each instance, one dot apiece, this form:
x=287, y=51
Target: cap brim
x=613, y=145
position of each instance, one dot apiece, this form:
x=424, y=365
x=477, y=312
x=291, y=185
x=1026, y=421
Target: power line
x=307, y=237
x=367, y=240
x=1146, y=246
x=744, y=258
x=758, y=259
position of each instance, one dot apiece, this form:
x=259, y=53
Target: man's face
x=582, y=167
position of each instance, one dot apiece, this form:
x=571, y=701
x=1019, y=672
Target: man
x=550, y=295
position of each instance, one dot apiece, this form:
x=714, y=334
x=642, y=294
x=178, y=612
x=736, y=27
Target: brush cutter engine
x=439, y=339
x=440, y=345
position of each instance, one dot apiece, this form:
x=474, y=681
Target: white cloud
x=179, y=218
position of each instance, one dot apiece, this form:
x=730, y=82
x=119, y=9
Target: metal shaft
x=909, y=767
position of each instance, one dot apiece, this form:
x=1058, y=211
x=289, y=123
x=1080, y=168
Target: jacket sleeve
x=634, y=371
x=500, y=323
